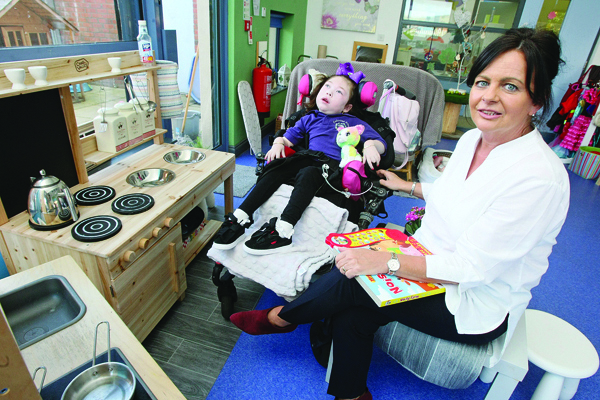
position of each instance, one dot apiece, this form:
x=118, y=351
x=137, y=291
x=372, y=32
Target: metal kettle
x=50, y=204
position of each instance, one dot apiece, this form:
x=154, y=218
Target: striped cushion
x=441, y=362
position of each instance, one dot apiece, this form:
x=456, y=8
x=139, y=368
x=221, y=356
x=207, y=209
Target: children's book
x=383, y=288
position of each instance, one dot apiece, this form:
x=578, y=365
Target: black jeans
x=355, y=318
x=306, y=173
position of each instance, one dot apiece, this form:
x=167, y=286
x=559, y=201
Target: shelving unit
x=66, y=71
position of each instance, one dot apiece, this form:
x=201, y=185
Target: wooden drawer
x=149, y=287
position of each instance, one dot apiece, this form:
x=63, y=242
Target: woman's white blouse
x=493, y=232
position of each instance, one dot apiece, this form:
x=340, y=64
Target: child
x=329, y=107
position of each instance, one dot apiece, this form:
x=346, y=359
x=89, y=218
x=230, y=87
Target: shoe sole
x=266, y=251
x=228, y=246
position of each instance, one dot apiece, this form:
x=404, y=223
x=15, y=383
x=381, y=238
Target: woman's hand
x=277, y=151
x=353, y=262
x=392, y=181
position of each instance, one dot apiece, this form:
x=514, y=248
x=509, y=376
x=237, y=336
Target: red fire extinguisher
x=262, y=77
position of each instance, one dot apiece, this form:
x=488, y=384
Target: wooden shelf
x=93, y=157
x=65, y=71
x=71, y=81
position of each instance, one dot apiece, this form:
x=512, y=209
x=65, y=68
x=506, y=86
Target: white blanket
x=289, y=273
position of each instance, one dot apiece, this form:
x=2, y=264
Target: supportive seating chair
x=424, y=85
x=431, y=100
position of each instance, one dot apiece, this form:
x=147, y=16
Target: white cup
x=17, y=77
x=115, y=63
x=39, y=73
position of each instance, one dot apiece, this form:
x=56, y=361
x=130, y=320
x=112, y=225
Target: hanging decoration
x=466, y=41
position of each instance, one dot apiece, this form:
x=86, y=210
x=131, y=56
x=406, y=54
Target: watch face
x=393, y=264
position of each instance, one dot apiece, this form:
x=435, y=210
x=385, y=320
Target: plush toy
x=347, y=138
x=351, y=162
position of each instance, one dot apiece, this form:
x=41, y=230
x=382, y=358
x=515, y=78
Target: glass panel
x=419, y=43
x=88, y=98
x=496, y=14
x=553, y=14
x=92, y=21
x=33, y=37
x=11, y=39
x=440, y=11
x=19, y=38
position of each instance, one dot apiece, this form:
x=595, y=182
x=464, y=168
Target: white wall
x=179, y=16
x=340, y=43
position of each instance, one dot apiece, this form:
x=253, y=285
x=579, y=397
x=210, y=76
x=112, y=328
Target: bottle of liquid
x=144, y=43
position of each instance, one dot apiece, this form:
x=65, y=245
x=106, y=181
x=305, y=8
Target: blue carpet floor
x=283, y=367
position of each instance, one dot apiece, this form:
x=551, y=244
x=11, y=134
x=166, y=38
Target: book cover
x=385, y=289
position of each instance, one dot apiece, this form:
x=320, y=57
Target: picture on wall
x=350, y=15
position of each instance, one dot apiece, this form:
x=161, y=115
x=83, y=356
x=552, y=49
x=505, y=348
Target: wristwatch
x=393, y=264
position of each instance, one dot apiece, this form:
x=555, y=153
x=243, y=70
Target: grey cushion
x=424, y=85
x=448, y=364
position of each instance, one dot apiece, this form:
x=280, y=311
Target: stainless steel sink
x=184, y=156
x=150, y=177
x=41, y=308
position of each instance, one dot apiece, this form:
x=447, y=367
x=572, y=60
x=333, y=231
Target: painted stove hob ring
x=94, y=195
x=95, y=229
x=134, y=203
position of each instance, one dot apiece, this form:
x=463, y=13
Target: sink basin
x=184, y=157
x=150, y=177
x=41, y=308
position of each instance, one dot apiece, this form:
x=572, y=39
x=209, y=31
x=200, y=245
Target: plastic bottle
x=145, y=43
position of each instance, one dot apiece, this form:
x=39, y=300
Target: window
x=552, y=15
x=444, y=37
x=275, y=39
x=74, y=27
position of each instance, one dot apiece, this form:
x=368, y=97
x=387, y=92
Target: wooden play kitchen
x=64, y=352
x=140, y=270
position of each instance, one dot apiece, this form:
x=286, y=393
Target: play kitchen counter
x=141, y=270
x=72, y=346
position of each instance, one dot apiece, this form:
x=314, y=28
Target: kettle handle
x=71, y=203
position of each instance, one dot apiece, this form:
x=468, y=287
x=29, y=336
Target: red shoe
x=365, y=396
x=256, y=322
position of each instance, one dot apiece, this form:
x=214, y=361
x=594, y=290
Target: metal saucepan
x=106, y=381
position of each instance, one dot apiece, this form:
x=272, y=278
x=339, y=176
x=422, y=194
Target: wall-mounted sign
x=350, y=15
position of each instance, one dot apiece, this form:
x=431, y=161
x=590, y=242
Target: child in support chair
x=330, y=106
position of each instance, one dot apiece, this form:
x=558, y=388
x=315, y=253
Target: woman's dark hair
x=541, y=49
x=354, y=99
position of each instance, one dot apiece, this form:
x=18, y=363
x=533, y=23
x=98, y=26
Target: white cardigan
x=494, y=231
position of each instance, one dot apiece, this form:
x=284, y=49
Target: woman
x=491, y=220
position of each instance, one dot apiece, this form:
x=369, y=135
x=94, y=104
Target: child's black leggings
x=307, y=176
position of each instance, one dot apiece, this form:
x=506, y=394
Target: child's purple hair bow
x=348, y=70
